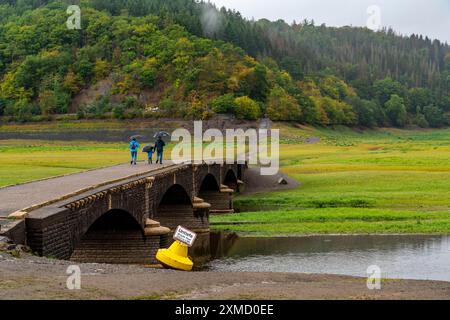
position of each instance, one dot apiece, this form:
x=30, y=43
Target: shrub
x=99, y=107
x=224, y=104
x=81, y=114
x=246, y=108
x=119, y=111
x=131, y=102
x=420, y=121
x=23, y=110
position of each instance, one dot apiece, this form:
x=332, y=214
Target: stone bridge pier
x=128, y=221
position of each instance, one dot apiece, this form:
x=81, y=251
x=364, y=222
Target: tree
x=419, y=97
x=72, y=83
x=22, y=110
x=282, y=106
x=47, y=102
x=247, y=108
x=149, y=72
x=434, y=116
x=384, y=89
x=365, y=111
x=396, y=111
x=447, y=61
x=3, y=104
x=260, y=86
x=101, y=69
x=184, y=50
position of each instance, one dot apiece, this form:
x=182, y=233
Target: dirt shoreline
x=31, y=277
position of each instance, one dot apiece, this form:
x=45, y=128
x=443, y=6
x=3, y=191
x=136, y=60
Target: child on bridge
x=150, y=152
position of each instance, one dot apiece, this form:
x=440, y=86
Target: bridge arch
x=209, y=183
x=115, y=237
x=231, y=180
x=210, y=192
x=175, y=208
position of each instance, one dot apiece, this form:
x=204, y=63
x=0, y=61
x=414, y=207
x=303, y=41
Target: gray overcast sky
x=427, y=17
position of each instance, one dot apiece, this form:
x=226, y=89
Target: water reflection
x=406, y=257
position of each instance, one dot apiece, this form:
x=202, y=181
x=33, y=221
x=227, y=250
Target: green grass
x=23, y=161
x=379, y=181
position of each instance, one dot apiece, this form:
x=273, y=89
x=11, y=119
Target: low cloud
x=211, y=20
x=430, y=18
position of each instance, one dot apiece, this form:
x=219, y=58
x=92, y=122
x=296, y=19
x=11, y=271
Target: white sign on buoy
x=185, y=236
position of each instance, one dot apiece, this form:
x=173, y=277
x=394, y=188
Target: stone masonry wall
x=57, y=230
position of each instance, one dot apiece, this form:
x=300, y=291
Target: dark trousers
x=133, y=157
x=159, y=157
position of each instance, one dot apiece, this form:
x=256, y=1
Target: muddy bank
x=31, y=277
x=113, y=130
x=257, y=183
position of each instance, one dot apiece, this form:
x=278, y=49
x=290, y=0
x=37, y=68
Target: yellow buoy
x=175, y=257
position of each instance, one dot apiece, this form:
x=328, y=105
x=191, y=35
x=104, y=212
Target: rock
x=6, y=244
x=312, y=140
x=5, y=240
x=23, y=248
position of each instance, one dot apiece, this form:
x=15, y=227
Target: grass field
x=22, y=161
x=377, y=181
x=384, y=181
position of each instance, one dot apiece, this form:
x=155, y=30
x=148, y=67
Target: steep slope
x=177, y=58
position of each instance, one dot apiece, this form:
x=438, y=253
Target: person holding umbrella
x=134, y=147
x=159, y=146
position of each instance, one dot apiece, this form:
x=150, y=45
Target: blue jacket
x=134, y=146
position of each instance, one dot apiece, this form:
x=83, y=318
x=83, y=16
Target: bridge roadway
x=28, y=195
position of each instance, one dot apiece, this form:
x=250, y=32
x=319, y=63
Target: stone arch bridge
x=128, y=219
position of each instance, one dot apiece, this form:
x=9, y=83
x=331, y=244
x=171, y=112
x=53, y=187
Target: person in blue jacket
x=159, y=146
x=134, y=147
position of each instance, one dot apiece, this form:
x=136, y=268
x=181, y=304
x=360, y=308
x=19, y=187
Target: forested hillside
x=181, y=58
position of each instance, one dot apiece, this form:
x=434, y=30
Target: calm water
x=404, y=257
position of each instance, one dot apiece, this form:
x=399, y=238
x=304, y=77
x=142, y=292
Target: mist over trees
x=195, y=60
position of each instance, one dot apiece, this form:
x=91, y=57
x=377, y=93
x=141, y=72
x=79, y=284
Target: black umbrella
x=137, y=136
x=161, y=134
x=147, y=148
